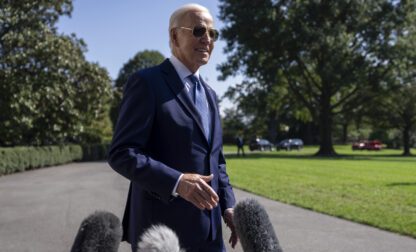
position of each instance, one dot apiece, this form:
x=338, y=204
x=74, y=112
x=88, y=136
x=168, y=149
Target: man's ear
x=174, y=37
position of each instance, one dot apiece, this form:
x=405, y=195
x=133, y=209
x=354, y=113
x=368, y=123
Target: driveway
x=41, y=210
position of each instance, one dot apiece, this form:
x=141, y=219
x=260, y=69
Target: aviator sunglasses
x=199, y=31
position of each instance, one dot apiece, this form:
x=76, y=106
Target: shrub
x=93, y=152
x=16, y=159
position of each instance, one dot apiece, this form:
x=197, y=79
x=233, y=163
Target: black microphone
x=99, y=232
x=159, y=238
x=254, y=228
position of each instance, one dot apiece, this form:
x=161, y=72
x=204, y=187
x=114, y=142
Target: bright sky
x=116, y=30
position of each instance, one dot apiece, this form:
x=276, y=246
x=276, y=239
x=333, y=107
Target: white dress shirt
x=183, y=73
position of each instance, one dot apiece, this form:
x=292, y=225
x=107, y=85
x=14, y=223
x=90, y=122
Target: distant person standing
x=240, y=145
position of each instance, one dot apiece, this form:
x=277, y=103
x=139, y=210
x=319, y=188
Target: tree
x=49, y=92
x=140, y=61
x=233, y=125
x=252, y=102
x=264, y=106
x=398, y=111
x=398, y=108
x=331, y=53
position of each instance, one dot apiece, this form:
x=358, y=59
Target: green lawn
x=375, y=188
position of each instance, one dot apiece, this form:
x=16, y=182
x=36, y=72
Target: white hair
x=159, y=238
x=177, y=16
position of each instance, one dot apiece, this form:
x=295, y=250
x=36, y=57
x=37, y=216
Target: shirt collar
x=181, y=69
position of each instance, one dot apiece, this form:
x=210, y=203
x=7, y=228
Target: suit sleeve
x=226, y=194
x=128, y=153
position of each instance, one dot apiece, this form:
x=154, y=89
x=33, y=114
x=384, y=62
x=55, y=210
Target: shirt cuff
x=174, y=193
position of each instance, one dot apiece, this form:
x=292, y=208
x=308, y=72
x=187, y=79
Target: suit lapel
x=175, y=84
x=214, y=112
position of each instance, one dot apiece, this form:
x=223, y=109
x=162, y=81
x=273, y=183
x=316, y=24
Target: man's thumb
x=208, y=178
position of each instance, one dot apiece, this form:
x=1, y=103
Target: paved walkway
x=41, y=210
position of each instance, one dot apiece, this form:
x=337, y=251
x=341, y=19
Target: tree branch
x=300, y=62
x=292, y=86
x=343, y=100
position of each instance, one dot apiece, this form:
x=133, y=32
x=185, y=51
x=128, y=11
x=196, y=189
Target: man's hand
x=194, y=188
x=228, y=218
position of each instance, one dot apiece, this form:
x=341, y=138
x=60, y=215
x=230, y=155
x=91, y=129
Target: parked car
x=358, y=145
x=260, y=144
x=373, y=145
x=290, y=144
x=367, y=145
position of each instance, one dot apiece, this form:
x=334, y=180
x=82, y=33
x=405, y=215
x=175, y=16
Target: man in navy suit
x=168, y=143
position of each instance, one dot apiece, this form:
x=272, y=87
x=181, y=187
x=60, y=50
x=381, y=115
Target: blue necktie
x=201, y=104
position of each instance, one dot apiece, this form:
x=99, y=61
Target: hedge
x=17, y=159
x=93, y=152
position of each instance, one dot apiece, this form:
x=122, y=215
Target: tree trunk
x=273, y=125
x=406, y=141
x=344, y=132
x=326, y=147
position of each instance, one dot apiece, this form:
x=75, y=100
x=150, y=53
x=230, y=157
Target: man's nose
x=206, y=38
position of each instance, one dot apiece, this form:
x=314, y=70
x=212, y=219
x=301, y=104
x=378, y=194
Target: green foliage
x=265, y=107
x=233, y=125
x=99, y=130
x=24, y=158
x=19, y=159
x=261, y=105
x=49, y=93
x=379, y=135
x=92, y=152
x=334, y=55
x=140, y=61
x=397, y=109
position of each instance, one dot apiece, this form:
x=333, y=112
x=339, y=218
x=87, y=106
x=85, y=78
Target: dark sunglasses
x=199, y=31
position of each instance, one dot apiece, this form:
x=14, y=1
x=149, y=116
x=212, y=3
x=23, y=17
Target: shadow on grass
x=402, y=184
x=258, y=155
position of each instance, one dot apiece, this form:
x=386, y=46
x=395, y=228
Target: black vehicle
x=260, y=144
x=289, y=144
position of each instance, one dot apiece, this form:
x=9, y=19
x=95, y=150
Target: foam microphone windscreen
x=99, y=232
x=159, y=238
x=254, y=228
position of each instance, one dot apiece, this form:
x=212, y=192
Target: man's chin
x=203, y=61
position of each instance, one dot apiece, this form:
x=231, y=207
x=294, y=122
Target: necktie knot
x=194, y=79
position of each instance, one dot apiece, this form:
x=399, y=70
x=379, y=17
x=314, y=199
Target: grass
x=374, y=188
x=232, y=148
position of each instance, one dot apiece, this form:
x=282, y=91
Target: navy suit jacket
x=158, y=136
